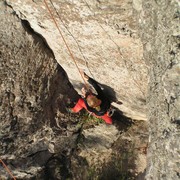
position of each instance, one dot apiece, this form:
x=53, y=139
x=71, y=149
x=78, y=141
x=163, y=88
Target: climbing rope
x=68, y=48
x=7, y=169
x=71, y=34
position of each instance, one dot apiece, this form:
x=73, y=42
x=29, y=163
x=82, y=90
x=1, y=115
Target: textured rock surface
x=39, y=141
x=97, y=143
x=32, y=99
x=102, y=36
x=113, y=154
x=38, y=138
x=159, y=28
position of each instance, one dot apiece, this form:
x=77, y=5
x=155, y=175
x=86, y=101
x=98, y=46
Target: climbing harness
x=7, y=169
x=68, y=48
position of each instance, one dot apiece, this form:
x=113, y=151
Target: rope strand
x=7, y=169
x=71, y=54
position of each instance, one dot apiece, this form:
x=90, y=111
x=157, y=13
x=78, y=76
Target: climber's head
x=93, y=101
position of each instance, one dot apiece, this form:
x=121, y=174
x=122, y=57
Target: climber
x=97, y=105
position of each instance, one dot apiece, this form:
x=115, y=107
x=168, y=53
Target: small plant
x=89, y=120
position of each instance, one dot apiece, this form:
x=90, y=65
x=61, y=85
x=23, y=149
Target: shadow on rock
x=57, y=168
x=122, y=122
x=110, y=93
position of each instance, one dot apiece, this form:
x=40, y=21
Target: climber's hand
x=86, y=77
x=84, y=91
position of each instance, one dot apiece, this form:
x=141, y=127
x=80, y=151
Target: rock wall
x=102, y=36
x=32, y=99
x=159, y=29
x=39, y=138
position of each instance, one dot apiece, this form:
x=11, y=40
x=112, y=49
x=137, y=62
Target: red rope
x=71, y=54
x=7, y=169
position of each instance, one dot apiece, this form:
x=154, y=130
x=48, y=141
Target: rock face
x=39, y=139
x=102, y=36
x=32, y=99
x=159, y=28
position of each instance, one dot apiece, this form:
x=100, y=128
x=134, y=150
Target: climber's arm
x=107, y=119
x=79, y=106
